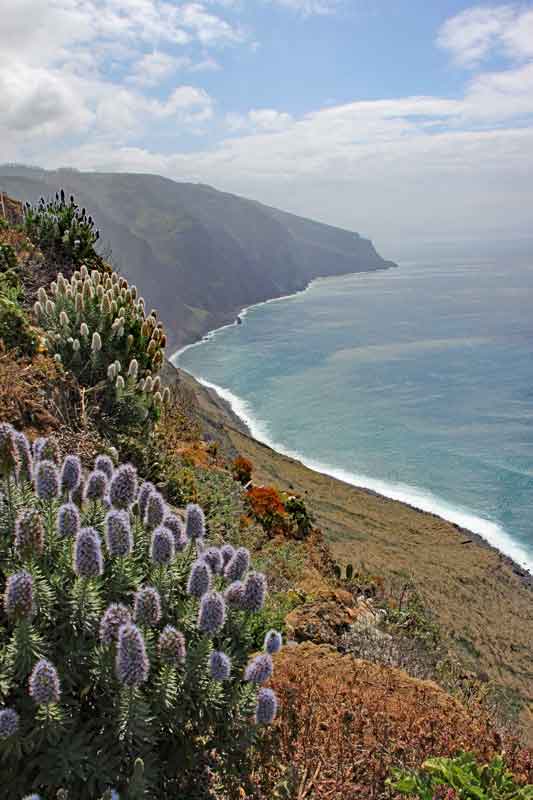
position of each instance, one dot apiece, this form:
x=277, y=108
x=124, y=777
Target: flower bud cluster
x=111, y=536
x=98, y=318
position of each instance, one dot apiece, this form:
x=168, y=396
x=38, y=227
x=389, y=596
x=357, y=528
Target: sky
x=406, y=120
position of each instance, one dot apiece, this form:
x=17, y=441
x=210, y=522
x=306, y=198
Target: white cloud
x=475, y=33
x=264, y=119
x=208, y=28
x=74, y=67
x=154, y=67
x=309, y=7
x=92, y=83
x=390, y=168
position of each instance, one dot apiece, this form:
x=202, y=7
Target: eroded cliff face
x=197, y=254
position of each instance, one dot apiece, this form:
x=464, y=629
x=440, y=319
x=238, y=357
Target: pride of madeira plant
x=96, y=326
x=125, y=638
x=63, y=230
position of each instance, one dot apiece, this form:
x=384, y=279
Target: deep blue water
x=416, y=382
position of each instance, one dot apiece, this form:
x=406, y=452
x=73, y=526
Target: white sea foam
x=421, y=499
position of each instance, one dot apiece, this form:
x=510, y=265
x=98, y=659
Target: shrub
x=345, y=723
x=96, y=327
x=242, y=470
x=62, y=230
x=267, y=508
x=299, y=516
x=29, y=391
x=108, y=647
x=461, y=778
x=15, y=329
x=8, y=258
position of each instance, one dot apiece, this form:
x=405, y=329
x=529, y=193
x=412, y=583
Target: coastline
x=484, y=531
x=479, y=597
x=237, y=314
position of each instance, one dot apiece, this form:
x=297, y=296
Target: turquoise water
x=415, y=382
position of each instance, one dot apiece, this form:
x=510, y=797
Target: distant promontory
x=197, y=254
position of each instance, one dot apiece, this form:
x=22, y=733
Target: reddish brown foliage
x=344, y=723
x=242, y=470
x=267, y=508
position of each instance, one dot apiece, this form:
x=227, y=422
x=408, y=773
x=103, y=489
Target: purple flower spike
x=29, y=533
x=9, y=455
x=227, y=551
x=18, y=595
x=114, y=617
x=70, y=474
x=213, y=557
x=44, y=683
x=162, y=547
x=195, y=524
x=78, y=494
x=96, y=486
x=266, y=707
x=172, y=646
x=175, y=526
x=181, y=543
x=88, y=559
x=273, y=642
x=212, y=613
x=219, y=666
x=155, y=510
x=255, y=589
x=118, y=535
x=68, y=521
x=234, y=595
x=132, y=665
x=47, y=480
x=105, y=465
x=25, y=458
x=238, y=565
x=38, y=447
x=259, y=669
x=199, y=579
x=123, y=487
x=147, y=606
x=9, y=722
x=142, y=498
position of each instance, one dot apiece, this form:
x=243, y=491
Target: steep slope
x=199, y=255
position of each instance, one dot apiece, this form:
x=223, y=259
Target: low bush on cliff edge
x=461, y=778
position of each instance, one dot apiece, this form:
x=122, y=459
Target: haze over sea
x=416, y=382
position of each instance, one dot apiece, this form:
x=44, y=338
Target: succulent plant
x=115, y=650
x=99, y=331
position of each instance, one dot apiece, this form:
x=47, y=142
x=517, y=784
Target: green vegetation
x=124, y=653
x=15, y=328
x=96, y=326
x=62, y=230
x=461, y=778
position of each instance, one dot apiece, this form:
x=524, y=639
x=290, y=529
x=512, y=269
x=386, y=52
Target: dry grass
x=29, y=393
x=344, y=723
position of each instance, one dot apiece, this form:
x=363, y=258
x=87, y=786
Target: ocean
x=415, y=382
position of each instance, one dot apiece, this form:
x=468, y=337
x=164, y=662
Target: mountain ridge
x=199, y=254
